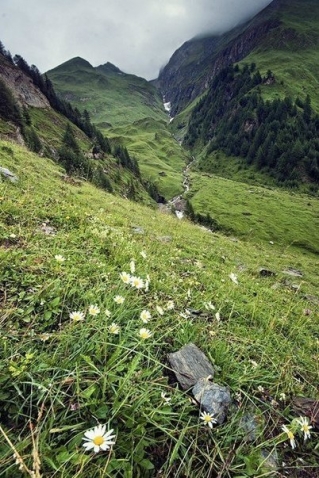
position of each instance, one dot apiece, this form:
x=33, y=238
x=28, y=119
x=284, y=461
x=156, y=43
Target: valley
x=138, y=218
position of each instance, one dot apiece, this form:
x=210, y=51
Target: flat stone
x=213, y=398
x=189, y=365
x=292, y=272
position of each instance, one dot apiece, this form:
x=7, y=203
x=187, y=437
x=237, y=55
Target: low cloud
x=138, y=36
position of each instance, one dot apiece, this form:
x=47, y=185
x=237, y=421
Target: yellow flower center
x=291, y=436
x=98, y=440
x=207, y=418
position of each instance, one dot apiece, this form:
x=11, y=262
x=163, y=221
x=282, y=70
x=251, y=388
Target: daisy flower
x=290, y=435
x=208, y=419
x=137, y=282
x=107, y=313
x=98, y=439
x=125, y=277
x=59, y=258
x=145, y=316
x=119, y=299
x=114, y=328
x=170, y=305
x=165, y=397
x=160, y=310
x=77, y=316
x=233, y=277
x=305, y=427
x=94, y=310
x=145, y=333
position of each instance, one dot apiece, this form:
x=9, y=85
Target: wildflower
x=77, y=316
x=59, y=258
x=260, y=387
x=98, y=439
x=290, y=435
x=208, y=419
x=165, y=397
x=233, y=277
x=147, y=282
x=170, y=305
x=145, y=316
x=160, y=310
x=125, y=277
x=282, y=397
x=119, y=299
x=145, y=333
x=107, y=313
x=94, y=310
x=137, y=282
x=143, y=254
x=114, y=328
x=209, y=306
x=132, y=267
x=305, y=427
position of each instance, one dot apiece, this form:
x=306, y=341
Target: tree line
x=279, y=137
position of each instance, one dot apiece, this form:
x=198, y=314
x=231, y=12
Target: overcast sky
x=138, y=36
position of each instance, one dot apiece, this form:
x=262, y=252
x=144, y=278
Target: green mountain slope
x=129, y=110
x=63, y=247
x=111, y=96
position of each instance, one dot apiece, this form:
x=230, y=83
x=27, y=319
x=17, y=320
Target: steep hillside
x=111, y=96
x=130, y=111
x=31, y=114
x=96, y=291
x=283, y=38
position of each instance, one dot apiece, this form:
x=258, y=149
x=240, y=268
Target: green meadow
x=81, y=346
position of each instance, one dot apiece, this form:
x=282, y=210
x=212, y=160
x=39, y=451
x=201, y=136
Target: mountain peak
x=109, y=68
x=76, y=62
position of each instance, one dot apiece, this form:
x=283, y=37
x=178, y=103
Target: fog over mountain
x=138, y=36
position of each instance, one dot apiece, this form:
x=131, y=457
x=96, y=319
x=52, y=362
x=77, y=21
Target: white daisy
x=98, y=439
x=94, y=310
x=145, y=333
x=114, y=329
x=77, y=316
x=59, y=258
x=125, y=277
x=208, y=419
x=145, y=316
x=119, y=299
x=305, y=427
x=137, y=282
x=290, y=435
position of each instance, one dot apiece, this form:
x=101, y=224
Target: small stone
x=9, y=175
x=213, y=398
x=292, y=272
x=266, y=273
x=189, y=365
x=138, y=230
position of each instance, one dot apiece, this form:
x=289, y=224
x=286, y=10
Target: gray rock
x=292, y=272
x=9, y=175
x=138, y=230
x=266, y=272
x=213, y=398
x=249, y=424
x=270, y=459
x=189, y=365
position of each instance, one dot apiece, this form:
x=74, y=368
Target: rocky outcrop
x=193, y=66
x=22, y=86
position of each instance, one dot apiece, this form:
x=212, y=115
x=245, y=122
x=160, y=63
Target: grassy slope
x=249, y=211
x=160, y=157
x=134, y=109
x=291, y=52
x=64, y=375
x=111, y=97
